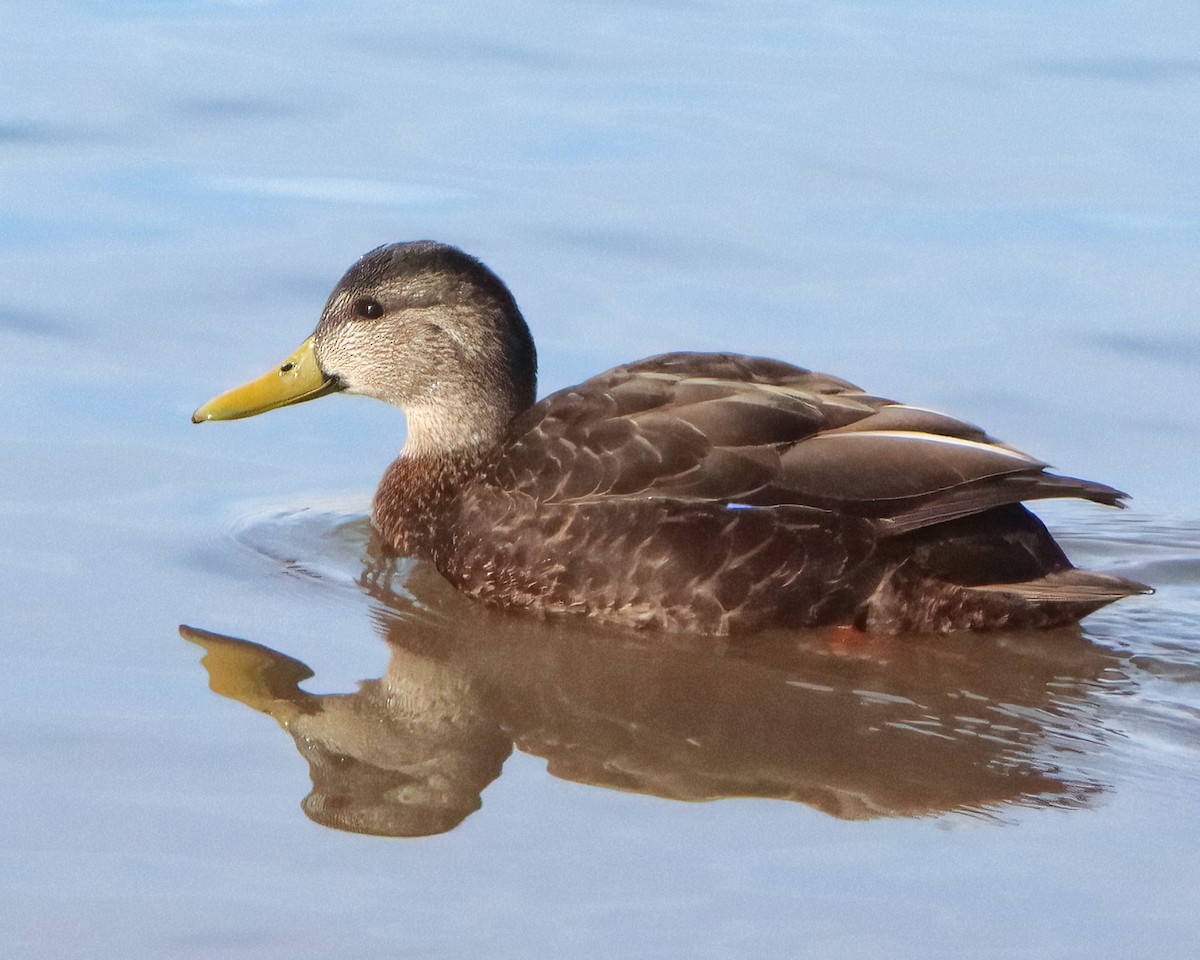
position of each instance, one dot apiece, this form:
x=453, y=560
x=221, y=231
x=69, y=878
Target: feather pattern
x=726, y=494
x=764, y=433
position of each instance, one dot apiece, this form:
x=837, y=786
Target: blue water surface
x=985, y=208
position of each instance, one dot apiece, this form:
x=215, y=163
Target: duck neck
x=456, y=432
x=447, y=445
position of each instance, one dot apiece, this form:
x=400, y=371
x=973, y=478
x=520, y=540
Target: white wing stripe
x=910, y=435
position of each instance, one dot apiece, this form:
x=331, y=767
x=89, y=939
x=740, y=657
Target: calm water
x=987, y=208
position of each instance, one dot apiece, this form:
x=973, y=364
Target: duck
x=710, y=493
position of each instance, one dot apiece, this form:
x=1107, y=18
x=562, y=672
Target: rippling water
x=988, y=209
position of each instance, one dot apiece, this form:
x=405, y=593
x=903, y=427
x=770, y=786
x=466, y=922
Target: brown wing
x=756, y=432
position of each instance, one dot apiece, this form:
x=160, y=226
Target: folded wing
x=746, y=431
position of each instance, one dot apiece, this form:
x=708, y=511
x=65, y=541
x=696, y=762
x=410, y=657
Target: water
x=989, y=210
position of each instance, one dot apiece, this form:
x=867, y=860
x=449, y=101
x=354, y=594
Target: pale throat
x=444, y=430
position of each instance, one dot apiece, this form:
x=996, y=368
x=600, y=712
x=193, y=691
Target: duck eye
x=368, y=309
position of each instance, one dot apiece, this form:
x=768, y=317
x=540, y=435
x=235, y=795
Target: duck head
x=419, y=325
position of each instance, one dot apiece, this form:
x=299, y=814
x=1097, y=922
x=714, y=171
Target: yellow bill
x=298, y=378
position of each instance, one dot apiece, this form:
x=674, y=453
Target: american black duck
x=701, y=492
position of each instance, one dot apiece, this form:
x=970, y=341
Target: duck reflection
x=856, y=727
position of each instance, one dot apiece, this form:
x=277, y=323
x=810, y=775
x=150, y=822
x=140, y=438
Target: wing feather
x=758, y=432
x=892, y=465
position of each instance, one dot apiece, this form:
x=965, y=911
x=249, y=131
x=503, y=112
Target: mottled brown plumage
x=696, y=492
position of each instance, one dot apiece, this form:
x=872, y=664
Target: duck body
x=725, y=494
x=713, y=493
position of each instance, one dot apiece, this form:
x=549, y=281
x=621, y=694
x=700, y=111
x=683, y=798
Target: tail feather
x=911, y=600
x=1070, y=586
x=983, y=495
